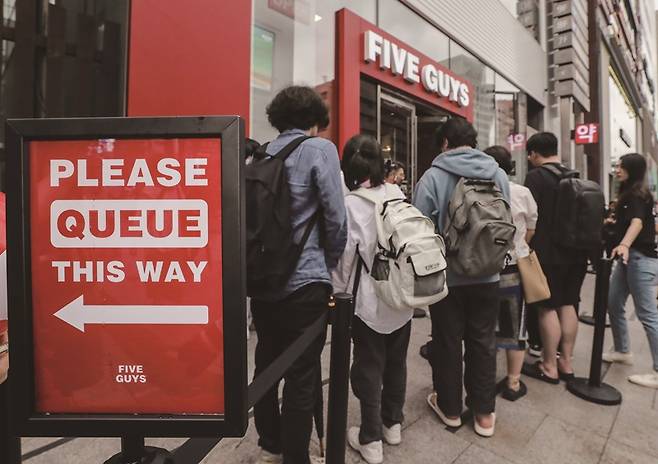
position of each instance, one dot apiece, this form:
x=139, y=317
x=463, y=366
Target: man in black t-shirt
x=565, y=268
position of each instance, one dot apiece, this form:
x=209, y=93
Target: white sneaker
x=485, y=432
x=269, y=458
x=431, y=401
x=372, y=453
x=645, y=380
x=617, y=357
x=393, y=436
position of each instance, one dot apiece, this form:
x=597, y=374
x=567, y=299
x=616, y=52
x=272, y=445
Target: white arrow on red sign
x=77, y=314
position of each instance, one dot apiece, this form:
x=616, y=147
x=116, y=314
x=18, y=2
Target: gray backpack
x=479, y=231
x=409, y=270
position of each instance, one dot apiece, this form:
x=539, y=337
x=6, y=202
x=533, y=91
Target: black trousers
x=287, y=430
x=468, y=314
x=379, y=377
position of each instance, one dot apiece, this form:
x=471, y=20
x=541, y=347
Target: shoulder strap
x=286, y=151
x=561, y=174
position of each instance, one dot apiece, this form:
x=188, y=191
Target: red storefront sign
x=126, y=263
x=365, y=49
x=587, y=133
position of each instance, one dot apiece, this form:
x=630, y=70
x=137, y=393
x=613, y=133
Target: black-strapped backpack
x=579, y=210
x=272, y=254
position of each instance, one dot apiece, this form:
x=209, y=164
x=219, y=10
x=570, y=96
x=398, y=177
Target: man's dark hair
x=502, y=156
x=297, y=107
x=458, y=132
x=543, y=143
x=362, y=161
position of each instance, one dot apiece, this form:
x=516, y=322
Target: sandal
x=432, y=402
x=565, y=376
x=534, y=371
x=513, y=395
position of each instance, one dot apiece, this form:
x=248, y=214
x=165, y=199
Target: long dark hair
x=635, y=186
x=362, y=161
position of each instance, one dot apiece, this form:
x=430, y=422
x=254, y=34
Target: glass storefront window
x=482, y=77
x=401, y=22
x=73, y=63
x=294, y=43
x=507, y=107
x=623, y=122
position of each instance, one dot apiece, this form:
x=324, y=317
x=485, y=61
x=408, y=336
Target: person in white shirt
x=512, y=331
x=380, y=333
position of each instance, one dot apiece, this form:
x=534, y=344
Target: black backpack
x=579, y=211
x=272, y=254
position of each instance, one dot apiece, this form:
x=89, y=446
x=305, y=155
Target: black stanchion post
x=592, y=389
x=339, y=378
x=10, y=447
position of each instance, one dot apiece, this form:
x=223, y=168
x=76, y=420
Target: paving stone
x=81, y=450
x=426, y=442
x=616, y=453
x=637, y=427
x=476, y=455
x=557, y=442
x=516, y=424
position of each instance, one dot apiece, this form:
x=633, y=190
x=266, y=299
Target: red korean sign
x=126, y=263
x=587, y=133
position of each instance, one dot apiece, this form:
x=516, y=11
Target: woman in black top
x=636, y=271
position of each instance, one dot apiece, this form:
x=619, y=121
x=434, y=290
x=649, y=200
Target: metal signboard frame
x=25, y=420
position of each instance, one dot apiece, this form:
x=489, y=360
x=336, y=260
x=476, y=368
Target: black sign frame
x=25, y=421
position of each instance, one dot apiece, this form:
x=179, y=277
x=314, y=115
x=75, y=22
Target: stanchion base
x=605, y=394
x=589, y=320
x=152, y=456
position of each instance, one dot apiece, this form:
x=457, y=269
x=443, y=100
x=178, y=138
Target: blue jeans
x=637, y=278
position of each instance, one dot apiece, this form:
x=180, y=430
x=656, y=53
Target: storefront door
x=396, y=133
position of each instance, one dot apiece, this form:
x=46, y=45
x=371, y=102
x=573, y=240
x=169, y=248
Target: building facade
x=391, y=68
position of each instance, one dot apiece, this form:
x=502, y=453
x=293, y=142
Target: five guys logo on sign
x=126, y=265
x=404, y=63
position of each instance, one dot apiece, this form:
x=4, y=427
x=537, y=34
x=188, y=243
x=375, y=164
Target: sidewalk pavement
x=548, y=426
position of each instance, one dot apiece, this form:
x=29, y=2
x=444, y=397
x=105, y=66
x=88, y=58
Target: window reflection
x=294, y=43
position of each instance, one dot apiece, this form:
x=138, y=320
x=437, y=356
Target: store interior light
x=317, y=18
x=386, y=148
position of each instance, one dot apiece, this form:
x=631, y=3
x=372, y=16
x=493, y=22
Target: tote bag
x=533, y=279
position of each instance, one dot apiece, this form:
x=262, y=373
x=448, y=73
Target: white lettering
x=110, y=170
x=60, y=169
x=399, y=59
x=373, y=46
x=149, y=271
x=429, y=78
x=444, y=84
x=197, y=269
x=454, y=89
x=170, y=177
x=140, y=174
x=385, y=58
x=192, y=170
x=83, y=181
x=61, y=269
x=174, y=272
x=464, y=97
x=411, y=69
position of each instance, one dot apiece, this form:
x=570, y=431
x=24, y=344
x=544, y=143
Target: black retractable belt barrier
x=339, y=374
x=10, y=446
x=593, y=389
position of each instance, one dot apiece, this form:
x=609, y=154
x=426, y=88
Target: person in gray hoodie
x=468, y=314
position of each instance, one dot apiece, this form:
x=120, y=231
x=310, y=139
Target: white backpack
x=409, y=269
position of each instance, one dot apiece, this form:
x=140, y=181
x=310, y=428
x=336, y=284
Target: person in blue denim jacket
x=313, y=172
